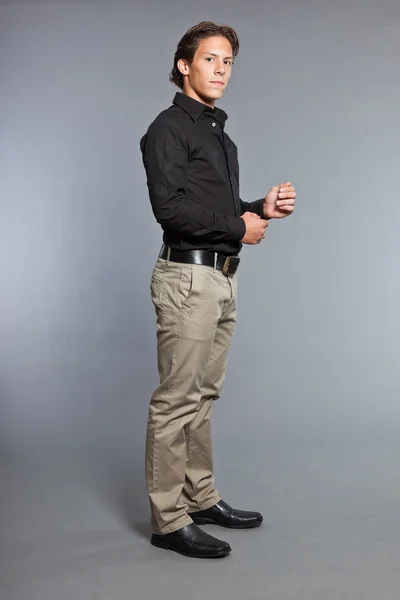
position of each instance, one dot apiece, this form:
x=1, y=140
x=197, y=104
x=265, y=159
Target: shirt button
x=214, y=124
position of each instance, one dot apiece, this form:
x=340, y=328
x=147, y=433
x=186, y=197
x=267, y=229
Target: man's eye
x=209, y=58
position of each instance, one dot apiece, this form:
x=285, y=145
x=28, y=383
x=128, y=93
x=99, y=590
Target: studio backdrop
x=314, y=98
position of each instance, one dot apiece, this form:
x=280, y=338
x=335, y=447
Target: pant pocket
x=191, y=288
x=185, y=284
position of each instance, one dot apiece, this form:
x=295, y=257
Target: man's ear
x=183, y=66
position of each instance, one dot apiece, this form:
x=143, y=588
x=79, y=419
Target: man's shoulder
x=172, y=117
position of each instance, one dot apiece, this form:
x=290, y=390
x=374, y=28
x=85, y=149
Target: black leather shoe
x=226, y=516
x=192, y=541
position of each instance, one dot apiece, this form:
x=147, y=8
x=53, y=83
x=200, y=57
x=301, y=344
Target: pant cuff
x=182, y=522
x=206, y=505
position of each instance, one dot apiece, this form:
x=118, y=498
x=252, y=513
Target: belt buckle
x=230, y=265
x=225, y=268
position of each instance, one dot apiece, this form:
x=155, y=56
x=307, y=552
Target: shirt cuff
x=258, y=207
x=237, y=227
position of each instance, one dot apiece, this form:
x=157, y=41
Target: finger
x=289, y=201
x=287, y=208
x=284, y=194
x=251, y=215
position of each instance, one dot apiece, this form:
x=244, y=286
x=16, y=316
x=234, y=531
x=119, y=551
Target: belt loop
x=168, y=253
x=215, y=260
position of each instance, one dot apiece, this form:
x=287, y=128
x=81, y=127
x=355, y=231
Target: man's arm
x=165, y=158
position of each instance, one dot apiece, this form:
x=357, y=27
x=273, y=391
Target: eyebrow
x=216, y=55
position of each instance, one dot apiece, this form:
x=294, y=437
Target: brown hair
x=191, y=40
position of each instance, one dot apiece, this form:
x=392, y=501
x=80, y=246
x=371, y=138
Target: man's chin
x=209, y=96
x=217, y=93
x=213, y=94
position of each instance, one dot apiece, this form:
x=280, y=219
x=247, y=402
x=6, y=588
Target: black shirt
x=192, y=173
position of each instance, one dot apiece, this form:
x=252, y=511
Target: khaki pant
x=196, y=314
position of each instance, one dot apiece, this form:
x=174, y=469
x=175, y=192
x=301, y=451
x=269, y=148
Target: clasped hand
x=278, y=203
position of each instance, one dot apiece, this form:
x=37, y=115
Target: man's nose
x=220, y=69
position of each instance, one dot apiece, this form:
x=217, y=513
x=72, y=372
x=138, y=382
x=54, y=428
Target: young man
x=193, y=180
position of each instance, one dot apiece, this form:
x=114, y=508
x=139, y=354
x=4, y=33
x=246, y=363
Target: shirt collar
x=195, y=109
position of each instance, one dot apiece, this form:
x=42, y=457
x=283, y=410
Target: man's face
x=206, y=78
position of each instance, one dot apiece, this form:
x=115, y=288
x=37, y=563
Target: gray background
x=307, y=429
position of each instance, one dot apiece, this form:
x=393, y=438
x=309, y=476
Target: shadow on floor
x=123, y=491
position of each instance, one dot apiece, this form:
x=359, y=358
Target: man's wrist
x=265, y=212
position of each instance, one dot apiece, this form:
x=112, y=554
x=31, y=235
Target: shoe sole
x=158, y=543
x=207, y=521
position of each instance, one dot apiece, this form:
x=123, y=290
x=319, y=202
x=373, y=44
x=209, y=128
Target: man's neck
x=206, y=101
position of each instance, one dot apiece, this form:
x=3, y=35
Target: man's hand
x=280, y=201
x=255, y=228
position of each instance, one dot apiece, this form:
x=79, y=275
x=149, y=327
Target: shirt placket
x=222, y=139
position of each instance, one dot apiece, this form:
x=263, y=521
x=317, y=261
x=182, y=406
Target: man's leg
x=199, y=492
x=189, y=301
x=205, y=505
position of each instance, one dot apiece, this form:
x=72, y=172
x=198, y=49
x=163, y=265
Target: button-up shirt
x=192, y=173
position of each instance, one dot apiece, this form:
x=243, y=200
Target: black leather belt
x=227, y=264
